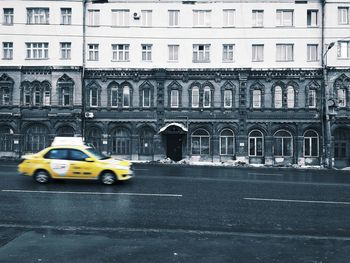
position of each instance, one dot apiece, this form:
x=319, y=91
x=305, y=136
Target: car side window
x=61, y=154
x=77, y=155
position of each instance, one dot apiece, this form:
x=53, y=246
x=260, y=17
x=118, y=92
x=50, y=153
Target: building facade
x=144, y=80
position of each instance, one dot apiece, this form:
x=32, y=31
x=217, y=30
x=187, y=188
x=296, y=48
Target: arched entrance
x=342, y=147
x=175, y=139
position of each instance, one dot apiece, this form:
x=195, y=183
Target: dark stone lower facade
x=271, y=117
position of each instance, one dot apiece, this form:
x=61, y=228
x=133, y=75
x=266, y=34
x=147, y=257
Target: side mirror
x=90, y=160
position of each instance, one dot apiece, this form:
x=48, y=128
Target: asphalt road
x=178, y=214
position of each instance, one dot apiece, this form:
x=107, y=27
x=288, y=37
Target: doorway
x=174, y=146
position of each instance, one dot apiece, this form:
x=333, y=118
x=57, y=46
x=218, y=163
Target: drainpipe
x=83, y=104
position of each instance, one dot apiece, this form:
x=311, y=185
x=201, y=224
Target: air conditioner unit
x=136, y=16
x=89, y=115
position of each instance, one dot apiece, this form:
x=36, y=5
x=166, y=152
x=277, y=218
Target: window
x=343, y=15
x=8, y=16
x=201, y=53
x=146, y=17
x=114, y=96
x=37, y=50
x=7, y=50
x=120, y=52
x=257, y=53
x=94, y=17
x=5, y=96
x=174, y=98
x=76, y=155
x=312, y=18
x=93, y=97
x=227, y=142
x=282, y=144
x=146, y=52
x=120, y=18
x=195, y=97
x=312, y=98
x=146, y=98
x=312, y=52
x=66, y=48
x=66, y=16
x=284, y=17
x=341, y=95
x=284, y=52
x=256, y=98
x=311, y=144
x=93, y=52
x=256, y=143
x=201, y=18
x=126, y=97
x=228, y=98
x=258, y=18
x=173, y=17
x=278, y=97
x=344, y=49
x=37, y=16
x=121, y=141
x=290, y=97
x=200, y=142
x=146, y=141
x=229, y=16
x=66, y=96
x=207, y=97
x=228, y=53
x=173, y=53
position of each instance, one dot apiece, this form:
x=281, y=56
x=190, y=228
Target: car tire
x=41, y=177
x=108, y=178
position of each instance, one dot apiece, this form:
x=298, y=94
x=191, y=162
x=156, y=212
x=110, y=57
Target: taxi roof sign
x=68, y=141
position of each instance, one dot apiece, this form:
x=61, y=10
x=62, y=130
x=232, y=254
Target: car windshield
x=98, y=155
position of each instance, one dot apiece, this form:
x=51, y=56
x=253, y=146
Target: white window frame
x=94, y=17
x=173, y=53
x=146, y=18
x=120, y=52
x=256, y=50
x=66, y=16
x=282, y=18
x=7, y=50
x=284, y=52
x=343, y=15
x=312, y=18
x=257, y=18
x=38, y=16
x=343, y=49
x=37, y=50
x=66, y=50
x=146, y=52
x=8, y=16
x=174, y=18
x=195, y=97
x=228, y=52
x=229, y=17
x=312, y=52
x=120, y=17
x=93, y=52
x=201, y=53
x=174, y=98
x=201, y=18
x=207, y=97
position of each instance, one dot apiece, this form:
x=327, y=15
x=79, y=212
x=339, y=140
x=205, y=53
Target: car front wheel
x=41, y=177
x=108, y=178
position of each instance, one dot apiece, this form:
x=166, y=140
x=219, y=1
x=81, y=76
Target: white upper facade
x=175, y=34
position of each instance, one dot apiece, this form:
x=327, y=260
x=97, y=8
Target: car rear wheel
x=41, y=177
x=108, y=178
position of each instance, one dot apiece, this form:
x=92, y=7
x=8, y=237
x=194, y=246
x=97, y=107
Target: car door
x=80, y=168
x=57, y=163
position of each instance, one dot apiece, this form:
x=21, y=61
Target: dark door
x=174, y=146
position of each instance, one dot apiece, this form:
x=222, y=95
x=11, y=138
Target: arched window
x=195, y=97
x=126, y=97
x=207, y=97
x=278, y=97
x=200, y=142
x=6, y=139
x=290, y=97
x=121, y=141
x=65, y=131
x=311, y=144
x=227, y=142
x=36, y=138
x=146, y=141
x=94, y=137
x=256, y=143
x=283, y=144
x=256, y=98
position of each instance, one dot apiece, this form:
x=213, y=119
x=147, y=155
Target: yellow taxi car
x=74, y=162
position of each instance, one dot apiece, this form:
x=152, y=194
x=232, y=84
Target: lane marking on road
x=265, y=174
x=88, y=193
x=296, y=201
